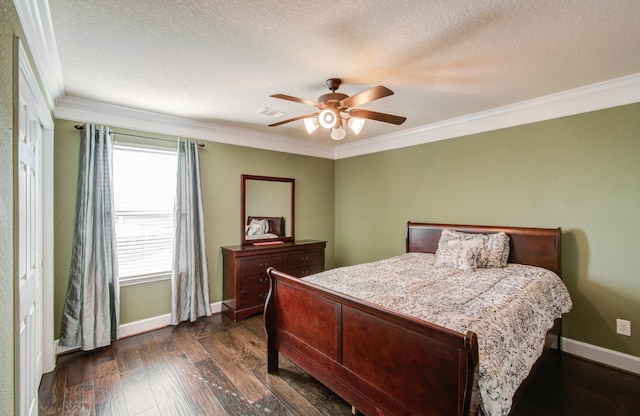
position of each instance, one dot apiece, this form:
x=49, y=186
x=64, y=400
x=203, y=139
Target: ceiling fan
x=333, y=104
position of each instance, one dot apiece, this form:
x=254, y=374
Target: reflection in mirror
x=267, y=209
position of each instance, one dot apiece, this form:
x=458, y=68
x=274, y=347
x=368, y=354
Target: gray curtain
x=189, y=276
x=91, y=311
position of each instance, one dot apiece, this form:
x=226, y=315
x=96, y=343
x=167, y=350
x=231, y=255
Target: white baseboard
x=144, y=325
x=138, y=327
x=611, y=358
x=156, y=322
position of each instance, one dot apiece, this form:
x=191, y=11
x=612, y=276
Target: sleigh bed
x=385, y=362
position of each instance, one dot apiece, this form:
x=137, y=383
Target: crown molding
x=35, y=19
x=612, y=93
x=89, y=111
x=594, y=97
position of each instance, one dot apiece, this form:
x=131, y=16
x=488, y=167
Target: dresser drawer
x=305, y=258
x=251, y=282
x=260, y=264
x=252, y=298
x=305, y=270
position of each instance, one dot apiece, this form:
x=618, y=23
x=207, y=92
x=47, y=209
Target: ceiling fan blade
x=292, y=119
x=373, y=115
x=296, y=99
x=366, y=96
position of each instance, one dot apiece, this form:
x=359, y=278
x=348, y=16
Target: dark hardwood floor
x=217, y=367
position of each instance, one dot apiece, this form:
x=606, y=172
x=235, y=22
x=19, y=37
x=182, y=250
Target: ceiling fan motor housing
x=332, y=98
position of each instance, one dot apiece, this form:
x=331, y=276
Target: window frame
x=148, y=277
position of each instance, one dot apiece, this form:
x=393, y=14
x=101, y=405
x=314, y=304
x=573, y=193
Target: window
x=144, y=182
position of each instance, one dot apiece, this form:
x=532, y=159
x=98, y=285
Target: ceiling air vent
x=270, y=112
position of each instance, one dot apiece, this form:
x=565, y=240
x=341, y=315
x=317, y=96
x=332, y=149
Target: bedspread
x=510, y=309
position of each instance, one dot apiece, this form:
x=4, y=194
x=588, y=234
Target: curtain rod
x=81, y=127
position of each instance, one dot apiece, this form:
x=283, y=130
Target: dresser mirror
x=267, y=209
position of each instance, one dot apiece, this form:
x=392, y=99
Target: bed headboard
x=276, y=224
x=532, y=246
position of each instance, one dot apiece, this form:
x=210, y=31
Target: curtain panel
x=91, y=312
x=189, y=276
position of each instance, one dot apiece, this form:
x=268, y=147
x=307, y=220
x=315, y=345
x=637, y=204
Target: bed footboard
x=379, y=361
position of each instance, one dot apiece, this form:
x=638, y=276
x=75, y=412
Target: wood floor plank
x=127, y=353
x=101, y=355
x=149, y=353
x=80, y=370
x=227, y=392
x=255, y=325
x=165, y=341
x=320, y=396
x=210, y=326
x=250, y=387
x=242, y=345
x=186, y=383
x=256, y=346
x=51, y=393
x=149, y=412
x=287, y=394
x=189, y=345
x=106, y=381
x=78, y=400
x=217, y=347
x=111, y=407
x=137, y=392
x=170, y=401
x=270, y=405
x=169, y=398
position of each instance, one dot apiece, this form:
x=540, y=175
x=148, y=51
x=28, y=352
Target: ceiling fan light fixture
x=329, y=118
x=333, y=105
x=311, y=124
x=338, y=134
x=356, y=124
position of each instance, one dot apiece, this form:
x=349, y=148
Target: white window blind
x=144, y=183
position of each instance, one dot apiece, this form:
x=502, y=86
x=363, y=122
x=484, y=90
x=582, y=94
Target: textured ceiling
x=218, y=61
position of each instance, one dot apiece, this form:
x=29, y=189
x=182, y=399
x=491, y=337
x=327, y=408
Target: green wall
x=221, y=168
x=581, y=173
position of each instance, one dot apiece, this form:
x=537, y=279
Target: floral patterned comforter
x=510, y=309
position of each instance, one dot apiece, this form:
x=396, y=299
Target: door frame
x=25, y=79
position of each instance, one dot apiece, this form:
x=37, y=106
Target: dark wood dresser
x=245, y=281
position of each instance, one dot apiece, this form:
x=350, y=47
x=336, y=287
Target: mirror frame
x=243, y=211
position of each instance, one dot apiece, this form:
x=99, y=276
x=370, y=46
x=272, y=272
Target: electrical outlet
x=623, y=327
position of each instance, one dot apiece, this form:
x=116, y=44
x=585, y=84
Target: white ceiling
x=218, y=60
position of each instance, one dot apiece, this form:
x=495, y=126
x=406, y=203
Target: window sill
x=147, y=278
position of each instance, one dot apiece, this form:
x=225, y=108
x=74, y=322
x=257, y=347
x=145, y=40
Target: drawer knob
x=265, y=264
x=263, y=279
x=305, y=258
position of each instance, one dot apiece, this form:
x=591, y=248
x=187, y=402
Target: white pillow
x=495, y=247
x=467, y=243
x=461, y=255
